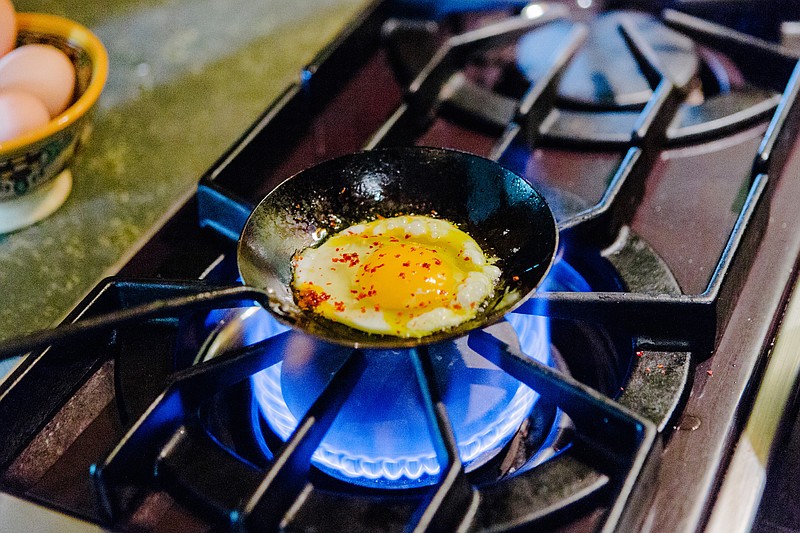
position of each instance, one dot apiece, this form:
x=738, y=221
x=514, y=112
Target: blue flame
x=380, y=437
x=381, y=432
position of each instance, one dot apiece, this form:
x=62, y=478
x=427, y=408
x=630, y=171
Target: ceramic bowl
x=31, y=162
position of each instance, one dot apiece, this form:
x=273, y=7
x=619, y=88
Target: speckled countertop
x=186, y=78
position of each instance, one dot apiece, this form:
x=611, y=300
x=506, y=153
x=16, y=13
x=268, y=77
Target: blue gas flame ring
x=474, y=437
x=395, y=451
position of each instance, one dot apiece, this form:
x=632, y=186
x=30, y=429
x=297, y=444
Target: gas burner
x=582, y=84
x=380, y=438
x=604, y=74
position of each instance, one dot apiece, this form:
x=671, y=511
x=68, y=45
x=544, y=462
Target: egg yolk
x=401, y=276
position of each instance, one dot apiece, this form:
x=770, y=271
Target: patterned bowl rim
x=75, y=34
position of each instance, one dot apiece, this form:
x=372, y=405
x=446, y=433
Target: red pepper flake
x=437, y=261
x=515, y=278
x=402, y=275
x=407, y=264
x=710, y=372
x=374, y=269
x=351, y=259
x=377, y=308
x=407, y=236
x=309, y=299
x=660, y=366
x=466, y=259
x=426, y=266
x=639, y=353
x=339, y=306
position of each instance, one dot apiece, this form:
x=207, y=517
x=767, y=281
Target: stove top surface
x=662, y=142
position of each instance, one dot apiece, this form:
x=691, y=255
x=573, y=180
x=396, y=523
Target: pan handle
x=215, y=297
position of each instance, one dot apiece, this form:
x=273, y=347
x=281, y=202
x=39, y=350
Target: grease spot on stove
x=688, y=423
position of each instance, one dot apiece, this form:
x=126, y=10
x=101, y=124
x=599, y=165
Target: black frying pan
x=506, y=216
x=500, y=210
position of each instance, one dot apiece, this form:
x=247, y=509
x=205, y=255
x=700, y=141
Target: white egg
x=20, y=113
x=407, y=276
x=42, y=70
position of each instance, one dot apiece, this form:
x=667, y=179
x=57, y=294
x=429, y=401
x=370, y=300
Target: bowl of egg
x=52, y=71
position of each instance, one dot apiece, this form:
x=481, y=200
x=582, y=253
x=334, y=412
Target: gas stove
x=612, y=400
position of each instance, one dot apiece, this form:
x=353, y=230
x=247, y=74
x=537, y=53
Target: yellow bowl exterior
x=38, y=156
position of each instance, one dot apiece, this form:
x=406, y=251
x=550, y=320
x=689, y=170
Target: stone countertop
x=186, y=78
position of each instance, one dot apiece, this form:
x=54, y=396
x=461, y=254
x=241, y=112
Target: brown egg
x=42, y=70
x=8, y=27
x=20, y=112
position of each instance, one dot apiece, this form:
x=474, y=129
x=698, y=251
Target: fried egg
x=407, y=276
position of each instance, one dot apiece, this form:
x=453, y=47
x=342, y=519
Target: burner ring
x=388, y=466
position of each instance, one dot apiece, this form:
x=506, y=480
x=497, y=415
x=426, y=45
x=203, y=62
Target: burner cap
x=604, y=73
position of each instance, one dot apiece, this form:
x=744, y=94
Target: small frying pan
x=506, y=216
x=497, y=208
